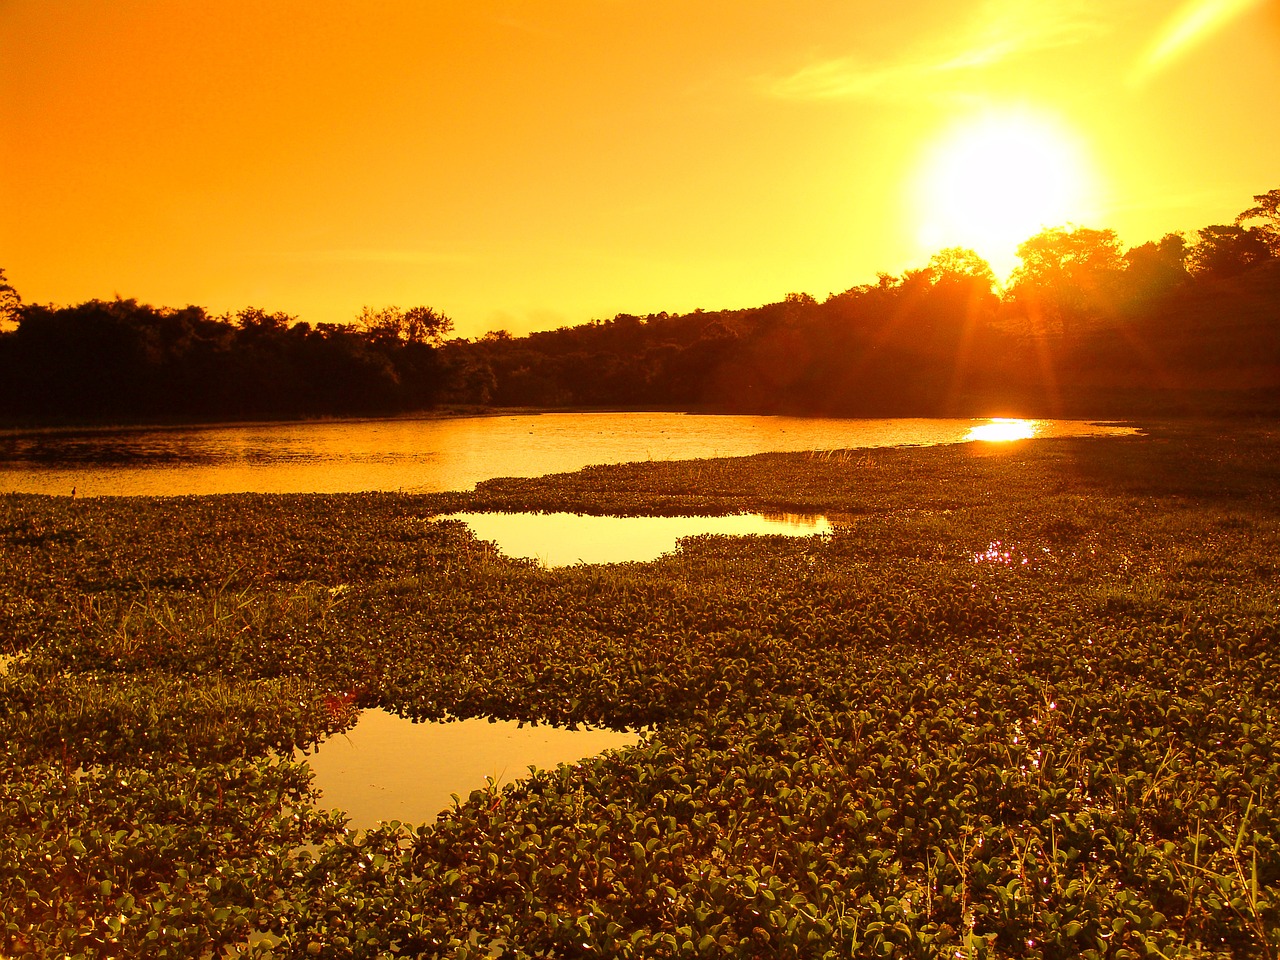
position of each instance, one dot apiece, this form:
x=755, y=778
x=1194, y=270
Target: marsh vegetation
x=1021, y=702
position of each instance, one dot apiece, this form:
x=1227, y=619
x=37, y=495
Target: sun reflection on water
x=1004, y=429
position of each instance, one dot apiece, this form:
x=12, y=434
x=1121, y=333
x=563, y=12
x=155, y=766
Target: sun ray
x=1193, y=24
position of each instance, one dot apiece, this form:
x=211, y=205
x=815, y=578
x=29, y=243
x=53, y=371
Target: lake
x=430, y=455
x=386, y=767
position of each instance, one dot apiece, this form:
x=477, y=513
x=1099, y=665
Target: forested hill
x=1082, y=328
x=915, y=346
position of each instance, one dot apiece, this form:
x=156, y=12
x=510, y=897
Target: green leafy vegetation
x=1023, y=702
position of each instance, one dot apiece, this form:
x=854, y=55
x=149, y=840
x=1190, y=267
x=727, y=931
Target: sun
x=990, y=182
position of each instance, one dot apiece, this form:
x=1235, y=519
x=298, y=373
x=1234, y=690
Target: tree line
x=107, y=360
x=1082, y=327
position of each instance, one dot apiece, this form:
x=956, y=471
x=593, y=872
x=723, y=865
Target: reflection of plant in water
x=342, y=708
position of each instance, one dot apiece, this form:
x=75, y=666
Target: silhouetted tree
x=426, y=325
x=1227, y=250
x=467, y=374
x=1154, y=270
x=256, y=321
x=1067, y=276
x=1267, y=209
x=9, y=301
x=960, y=265
x=105, y=358
x=963, y=302
x=392, y=326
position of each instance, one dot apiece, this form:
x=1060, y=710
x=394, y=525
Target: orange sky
x=532, y=163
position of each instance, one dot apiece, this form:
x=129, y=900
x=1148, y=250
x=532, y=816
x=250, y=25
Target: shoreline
x=89, y=427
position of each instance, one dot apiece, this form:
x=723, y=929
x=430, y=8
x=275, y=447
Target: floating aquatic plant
x=863, y=744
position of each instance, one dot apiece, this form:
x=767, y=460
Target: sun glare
x=990, y=183
x=1004, y=430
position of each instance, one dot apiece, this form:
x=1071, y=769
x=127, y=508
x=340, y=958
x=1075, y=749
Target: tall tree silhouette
x=1228, y=249
x=1267, y=209
x=1067, y=276
x=9, y=301
x=1154, y=270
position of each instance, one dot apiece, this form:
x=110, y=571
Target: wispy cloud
x=1191, y=25
x=1002, y=31
x=367, y=255
x=838, y=79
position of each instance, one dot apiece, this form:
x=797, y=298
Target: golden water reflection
x=390, y=768
x=563, y=539
x=422, y=456
x=1004, y=429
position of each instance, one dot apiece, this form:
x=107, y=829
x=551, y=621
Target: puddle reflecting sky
x=389, y=768
x=563, y=539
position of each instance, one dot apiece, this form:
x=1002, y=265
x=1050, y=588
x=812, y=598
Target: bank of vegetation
x=1022, y=703
x=1185, y=324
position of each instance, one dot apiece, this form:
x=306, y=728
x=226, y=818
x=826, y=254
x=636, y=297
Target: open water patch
x=563, y=539
x=435, y=454
x=390, y=768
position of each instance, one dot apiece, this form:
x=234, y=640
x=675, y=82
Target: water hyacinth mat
x=1021, y=702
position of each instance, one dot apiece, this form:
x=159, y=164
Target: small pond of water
x=390, y=768
x=563, y=539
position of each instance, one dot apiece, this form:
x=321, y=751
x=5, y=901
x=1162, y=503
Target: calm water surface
x=563, y=539
x=424, y=456
x=389, y=768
